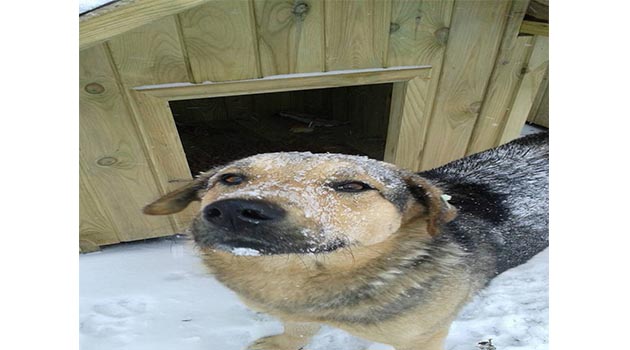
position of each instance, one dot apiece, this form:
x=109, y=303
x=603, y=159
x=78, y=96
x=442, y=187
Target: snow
x=87, y=5
x=157, y=295
x=245, y=252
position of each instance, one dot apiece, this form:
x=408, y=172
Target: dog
x=383, y=253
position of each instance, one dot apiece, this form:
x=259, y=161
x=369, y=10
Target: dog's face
x=281, y=203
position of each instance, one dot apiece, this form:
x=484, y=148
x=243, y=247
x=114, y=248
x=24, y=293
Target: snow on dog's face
x=280, y=203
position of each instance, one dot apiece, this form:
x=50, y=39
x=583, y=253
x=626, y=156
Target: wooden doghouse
x=416, y=83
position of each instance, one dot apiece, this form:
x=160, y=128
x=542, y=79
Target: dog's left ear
x=178, y=200
x=436, y=209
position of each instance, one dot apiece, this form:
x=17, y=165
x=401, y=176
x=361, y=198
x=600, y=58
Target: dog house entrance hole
x=349, y=120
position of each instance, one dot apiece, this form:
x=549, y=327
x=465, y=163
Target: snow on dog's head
x=300, y=202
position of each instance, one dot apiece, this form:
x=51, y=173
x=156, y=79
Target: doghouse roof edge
x=119, y=16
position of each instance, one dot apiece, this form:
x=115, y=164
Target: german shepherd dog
x=381, y=252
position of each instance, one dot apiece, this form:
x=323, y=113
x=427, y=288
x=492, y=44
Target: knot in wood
x=441, y=35
x=300, y=10
x=475, y=107
x=94, y=88
x=107, y=161
x=393, y=27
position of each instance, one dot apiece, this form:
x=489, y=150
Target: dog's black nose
x=242, y=214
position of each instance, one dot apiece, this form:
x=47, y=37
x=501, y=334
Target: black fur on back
x=502, y=201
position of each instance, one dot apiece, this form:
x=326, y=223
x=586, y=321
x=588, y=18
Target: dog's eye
x=352, y=186
x=232, y=179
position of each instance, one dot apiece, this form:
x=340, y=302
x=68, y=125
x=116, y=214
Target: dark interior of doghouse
x=349, y=120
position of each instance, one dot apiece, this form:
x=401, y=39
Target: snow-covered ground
x=157, y=295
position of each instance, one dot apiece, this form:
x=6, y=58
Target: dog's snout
x=239, y=214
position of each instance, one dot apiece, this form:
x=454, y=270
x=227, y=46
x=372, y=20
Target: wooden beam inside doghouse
x=535, y=28
x=307, y=81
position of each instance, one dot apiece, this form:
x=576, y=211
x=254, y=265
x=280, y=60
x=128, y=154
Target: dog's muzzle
x=238, y=215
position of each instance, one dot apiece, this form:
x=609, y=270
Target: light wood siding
x=418, y=35
x=96, y=226
x=476, y=31
x=112, y=156
x=356, y=33
x=159, y=132
x=151, y=54
x=290, y=36
x=528, y=90
x=220, y=41
x=540, y=111
x=406, y=122
x=504, y=81
x=121, y=16
x=485, y=81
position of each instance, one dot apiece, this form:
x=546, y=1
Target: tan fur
x=291, y=286
x=301, y=278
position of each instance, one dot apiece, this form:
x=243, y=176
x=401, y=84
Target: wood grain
x=530, y=86
x=407, y=118
x=290, y=36
x=287, y=83
x=419, y=32
x=535, y=28
x=111, y=155
x=117, y=18
x=96, y=226
x=419, y=35
x=475, y=35
x=220, y=41
x=160, y=133
x=151, y=54
x=540, y=115
x=506, y=77
x=356, y=33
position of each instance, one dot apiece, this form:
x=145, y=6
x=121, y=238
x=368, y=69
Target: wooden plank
x=504, y=82
x=160, y=132
x=419, y=35
x=498, y=101
x=96, y=227
x=117, y=18
x=396, y=109
x=419, y=32
x=539, y=9
x=407, y=115
x=111, y=154
x=531, y=84
x=220, y=41
x=474, y=39
x=290, y=36
x=356, y=33
x=541, y=116
x=151, y=54
x=535, y=28
x=304, y=81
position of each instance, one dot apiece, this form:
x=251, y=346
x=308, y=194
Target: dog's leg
x=435, y=342
x=295, y=337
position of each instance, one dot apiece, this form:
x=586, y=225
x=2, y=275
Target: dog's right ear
x=179, y=199
x=436, y=209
